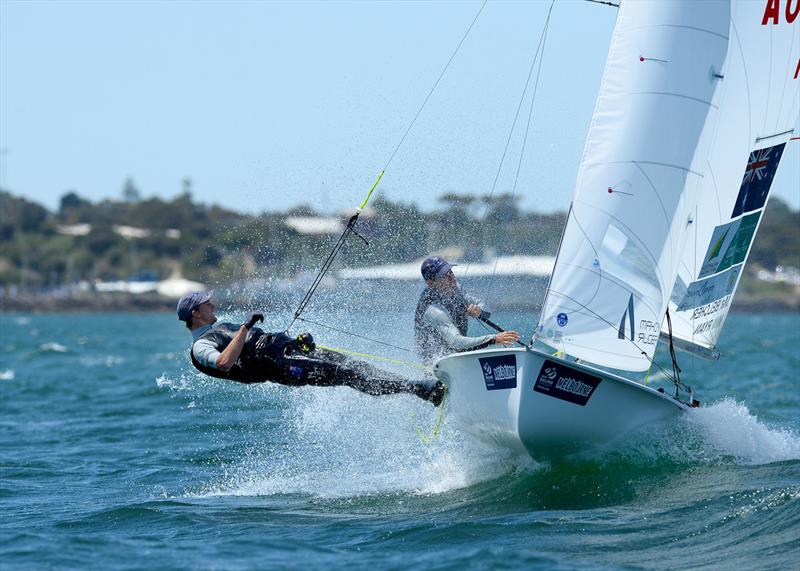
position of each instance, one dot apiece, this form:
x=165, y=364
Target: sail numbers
x=772, y=11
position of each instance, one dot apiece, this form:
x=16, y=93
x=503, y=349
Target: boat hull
x=526, y=399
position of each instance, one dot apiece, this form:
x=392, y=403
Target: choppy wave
x=723, y=432
x=108, y=361
x=730, y=429
x=147, y=448
x=345, y=444
x=52, y=347
x=7, y=375
x=178, y=382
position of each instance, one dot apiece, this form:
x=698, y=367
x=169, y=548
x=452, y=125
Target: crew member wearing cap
x=247, y=354
x=440, y=322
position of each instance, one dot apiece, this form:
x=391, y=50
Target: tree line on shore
x=154, y=238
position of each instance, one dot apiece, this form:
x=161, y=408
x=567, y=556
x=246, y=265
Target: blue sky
x=266, y=105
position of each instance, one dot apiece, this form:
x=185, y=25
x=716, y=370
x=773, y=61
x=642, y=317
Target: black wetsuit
x=278, y=358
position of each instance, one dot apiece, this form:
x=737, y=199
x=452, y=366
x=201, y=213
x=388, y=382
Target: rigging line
x=652, y=360
x=325, y=266
x=630, y=233
x=511, y=131
x=676, y=370
x=550, y=277
x=352, y=222
x=332, y=328
x=600, y=270
x=403, y=138
x=542, y=44
x=516, y=115
x=533, y=98
x=614, y=327
x=375, y=357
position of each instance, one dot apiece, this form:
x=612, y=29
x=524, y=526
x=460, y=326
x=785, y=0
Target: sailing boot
x=431, y=391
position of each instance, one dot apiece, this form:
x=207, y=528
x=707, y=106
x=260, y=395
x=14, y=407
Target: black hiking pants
x=280, y=359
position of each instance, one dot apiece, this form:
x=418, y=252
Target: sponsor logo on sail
x=627, y=315
x=711, y=308
x=715, y=249
x=562, y=319
x=648, y=332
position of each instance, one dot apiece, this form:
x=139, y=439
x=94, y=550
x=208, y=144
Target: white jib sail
x=758, y=111
x=621, y=246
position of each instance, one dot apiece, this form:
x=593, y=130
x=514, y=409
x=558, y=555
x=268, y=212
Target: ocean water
x=115, y=454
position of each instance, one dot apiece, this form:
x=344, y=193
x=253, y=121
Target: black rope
x=676, y=370
x=647, y=356
x=325, y=266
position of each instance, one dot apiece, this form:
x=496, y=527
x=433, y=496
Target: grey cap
x=435, y=267
x=190, y=301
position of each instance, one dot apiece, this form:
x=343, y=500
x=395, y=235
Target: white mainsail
x=621, y=248
x=758, y=101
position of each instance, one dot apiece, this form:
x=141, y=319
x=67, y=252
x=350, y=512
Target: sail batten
x=776, y=135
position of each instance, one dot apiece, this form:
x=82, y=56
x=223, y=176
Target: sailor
x=440, y=322
x=247, y=354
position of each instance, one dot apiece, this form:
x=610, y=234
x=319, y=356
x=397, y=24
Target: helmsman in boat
x=440, y=321
x=247, y=354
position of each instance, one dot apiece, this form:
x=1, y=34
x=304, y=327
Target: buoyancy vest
x=259, y=361
x=428, y=341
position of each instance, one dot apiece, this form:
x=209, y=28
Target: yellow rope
x=435, y=433
x=363, y=204
x=376, y=357
x=422, y=437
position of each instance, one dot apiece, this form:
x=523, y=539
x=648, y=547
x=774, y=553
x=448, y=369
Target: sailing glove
x=252, y=318
x=305, y=342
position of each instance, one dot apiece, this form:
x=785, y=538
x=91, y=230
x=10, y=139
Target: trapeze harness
x=279, y=358
x=429, y=342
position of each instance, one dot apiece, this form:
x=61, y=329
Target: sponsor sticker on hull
x=499, y=372
x=564, y=383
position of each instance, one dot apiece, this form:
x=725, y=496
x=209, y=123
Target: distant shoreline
x=153, y=303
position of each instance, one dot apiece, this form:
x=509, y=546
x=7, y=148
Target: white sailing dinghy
x=697, y=102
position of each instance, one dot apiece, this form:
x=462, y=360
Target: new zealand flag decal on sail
x=561, y=382
x=758, y=175
x=499, y=372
